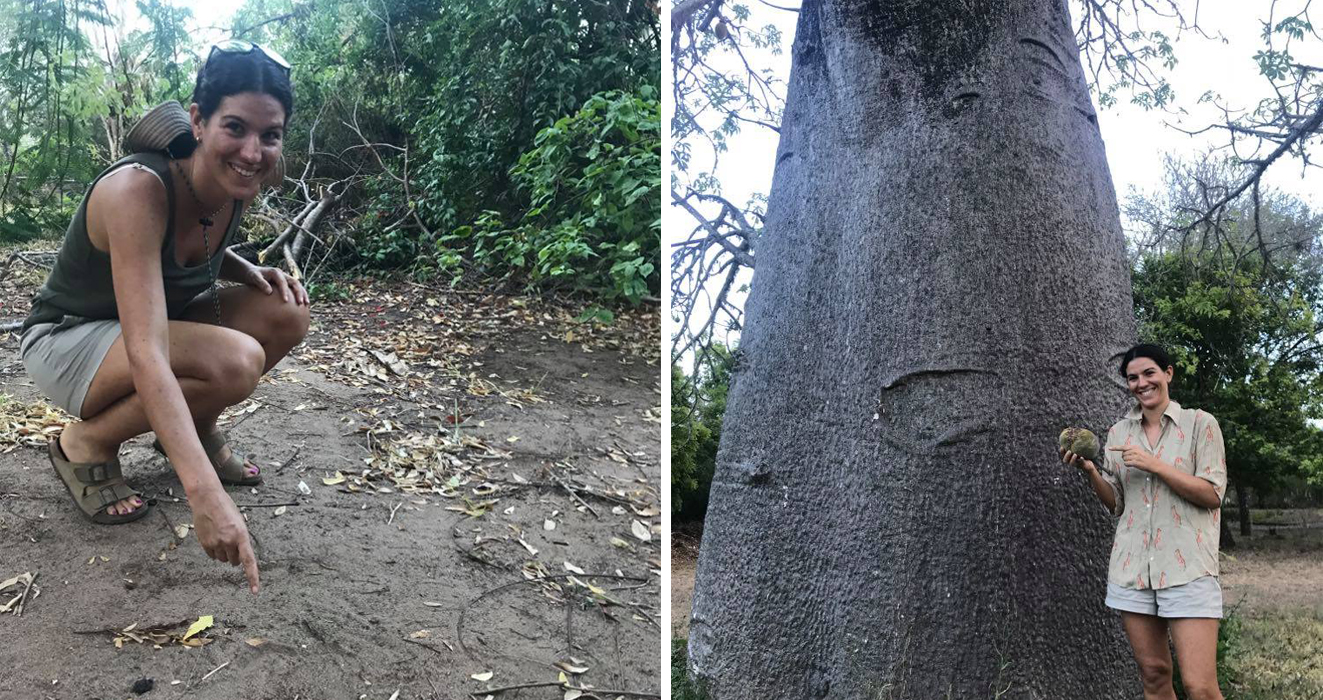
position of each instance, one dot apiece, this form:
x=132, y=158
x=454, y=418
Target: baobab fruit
x=723, y=32
x=1080, y=441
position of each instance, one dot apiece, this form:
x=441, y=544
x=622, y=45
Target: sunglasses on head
x=239, y=46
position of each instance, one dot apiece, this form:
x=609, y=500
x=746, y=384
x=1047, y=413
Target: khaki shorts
x=1201, y=597
x=62, y=358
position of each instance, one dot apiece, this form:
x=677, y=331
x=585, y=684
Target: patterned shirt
x=1163, y=540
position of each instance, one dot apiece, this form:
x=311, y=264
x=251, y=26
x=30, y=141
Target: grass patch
x=1277, y=656
x=681, y=687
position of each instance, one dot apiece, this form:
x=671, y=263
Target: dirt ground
x=1275, y=572
x=442, y=436
x=1270, y=573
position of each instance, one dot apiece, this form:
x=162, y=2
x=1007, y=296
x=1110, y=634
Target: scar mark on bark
x=1041, y=47
x=931, y=373
x=957, y=104
x=784, y=156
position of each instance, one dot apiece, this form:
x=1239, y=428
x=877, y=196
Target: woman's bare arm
x=130, y=219
x=134, y=228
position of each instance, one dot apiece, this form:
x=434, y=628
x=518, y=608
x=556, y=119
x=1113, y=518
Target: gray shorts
x=62, y=358
x=1201, y=597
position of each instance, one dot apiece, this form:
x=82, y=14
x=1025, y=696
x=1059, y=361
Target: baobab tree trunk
x=941, y=288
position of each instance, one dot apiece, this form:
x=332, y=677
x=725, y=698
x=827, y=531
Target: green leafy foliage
x=593, y=184
x=697, y=406
x=425, y=107
x=1244, y=343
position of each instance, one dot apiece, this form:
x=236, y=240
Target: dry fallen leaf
x=279, y=511
x=548, y=525
x=641, y=531
x=202, y=623
x=181, y=531
x=482, y=677
x=256, y=641
x=420, y=634
x=332, y=481
x=573, y=569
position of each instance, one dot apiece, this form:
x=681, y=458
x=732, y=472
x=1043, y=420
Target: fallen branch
x=295, y=225
x=300, y=239
x=293, y=266
x=22, y=256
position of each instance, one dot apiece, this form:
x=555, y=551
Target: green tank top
x=80, y=286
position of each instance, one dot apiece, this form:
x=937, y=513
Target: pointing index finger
x=249, y=562
x=1118, y=448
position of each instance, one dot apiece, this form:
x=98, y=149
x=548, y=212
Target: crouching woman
x=129, y=332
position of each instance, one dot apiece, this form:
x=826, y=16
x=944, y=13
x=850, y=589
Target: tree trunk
x=1242, y=501
x=941, y=288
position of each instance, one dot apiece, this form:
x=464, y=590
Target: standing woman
x=1164, y=475
x=129, y=332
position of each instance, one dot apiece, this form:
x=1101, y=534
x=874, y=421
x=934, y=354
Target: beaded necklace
x=206, y=221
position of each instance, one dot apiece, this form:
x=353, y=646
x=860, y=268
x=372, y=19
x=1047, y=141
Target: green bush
x=697, y=406
x=592, y=222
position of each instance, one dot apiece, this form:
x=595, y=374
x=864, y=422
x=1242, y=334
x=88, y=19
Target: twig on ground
x=212, y=671
x=290, y=459
x=573, y=494
x=521, y=686
x=567, y=686
x=459, y=624
x=392, y=512
x=266, y=505
x=425, y=645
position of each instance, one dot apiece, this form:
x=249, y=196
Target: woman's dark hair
x=1153, y=352
x=226, y=74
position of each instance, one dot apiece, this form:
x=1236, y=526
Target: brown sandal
x=96, y=487
x=231, y=471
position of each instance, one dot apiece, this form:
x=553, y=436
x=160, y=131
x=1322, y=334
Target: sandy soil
x=370, y=588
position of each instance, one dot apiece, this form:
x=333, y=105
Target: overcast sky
x=206, y=14
x=1135, y=139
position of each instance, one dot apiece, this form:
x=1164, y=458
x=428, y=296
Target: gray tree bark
x=941, y=288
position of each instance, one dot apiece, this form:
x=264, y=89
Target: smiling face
x=1147, y=382
x=240, y=143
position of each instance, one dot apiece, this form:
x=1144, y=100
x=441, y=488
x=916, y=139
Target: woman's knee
x=1155, y=673
x=235, y=365
x=287, y=322
x=1202, y=690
